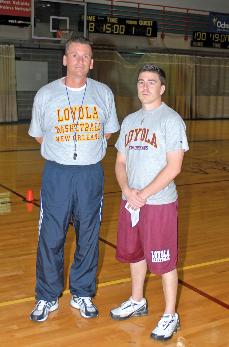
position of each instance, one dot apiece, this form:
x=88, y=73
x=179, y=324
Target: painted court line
x=128, y=279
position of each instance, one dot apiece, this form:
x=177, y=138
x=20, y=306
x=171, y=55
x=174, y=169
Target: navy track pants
x=69, y=192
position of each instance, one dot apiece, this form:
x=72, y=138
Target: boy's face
x=149, y=88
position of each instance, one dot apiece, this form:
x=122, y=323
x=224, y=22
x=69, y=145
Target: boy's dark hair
x=153, y=68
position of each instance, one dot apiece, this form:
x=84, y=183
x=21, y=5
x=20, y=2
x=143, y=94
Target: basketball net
x=63, y=35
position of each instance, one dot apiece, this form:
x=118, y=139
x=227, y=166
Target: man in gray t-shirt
x=151, y=147
x=72, y=119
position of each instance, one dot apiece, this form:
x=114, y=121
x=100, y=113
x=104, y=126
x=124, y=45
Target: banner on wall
x=218, y=22
x=15, y=12
x=18, y=8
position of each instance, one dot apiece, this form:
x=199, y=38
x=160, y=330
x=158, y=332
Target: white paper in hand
x=134, y=214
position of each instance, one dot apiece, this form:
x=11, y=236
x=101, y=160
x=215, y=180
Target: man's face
x=78, y=60
x=149, y=88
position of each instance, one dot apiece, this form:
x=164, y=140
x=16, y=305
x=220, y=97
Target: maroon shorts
x=154, y=238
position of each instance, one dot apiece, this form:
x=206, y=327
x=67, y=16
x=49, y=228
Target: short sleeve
x=120, y=144
x=176, y=135
x=35, y=129
x=112, y=124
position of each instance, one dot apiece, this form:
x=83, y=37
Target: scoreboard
x=121, y=26
x=206, y=39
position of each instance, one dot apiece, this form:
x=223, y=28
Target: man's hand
x=107, y=136
x=133, y=198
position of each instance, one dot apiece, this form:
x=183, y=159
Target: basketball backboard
x=56, y=20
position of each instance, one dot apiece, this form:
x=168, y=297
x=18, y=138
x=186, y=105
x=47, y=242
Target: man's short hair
x=74, y=38
x=153, y=68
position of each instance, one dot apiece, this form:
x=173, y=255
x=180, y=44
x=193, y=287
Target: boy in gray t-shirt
x=151, y=147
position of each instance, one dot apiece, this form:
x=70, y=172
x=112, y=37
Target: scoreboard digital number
x=206, y=39
x=121, y=26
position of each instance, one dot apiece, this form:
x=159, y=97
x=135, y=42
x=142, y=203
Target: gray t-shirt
x=59, y=118
x=145, y=138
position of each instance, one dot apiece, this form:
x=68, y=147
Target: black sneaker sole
x=162, y=338
x=135, y=314
x=88, y=317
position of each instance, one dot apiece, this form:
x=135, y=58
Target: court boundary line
x=128, y=279
x=107, y=193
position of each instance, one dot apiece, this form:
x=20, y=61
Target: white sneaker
x=42, y=308
x=85, y=305
x=130, y=308
x=166, y=327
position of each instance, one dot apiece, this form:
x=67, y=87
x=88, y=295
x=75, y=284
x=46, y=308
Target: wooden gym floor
x=203, y=188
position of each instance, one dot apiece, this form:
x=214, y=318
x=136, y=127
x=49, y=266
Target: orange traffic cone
x=29, y=195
